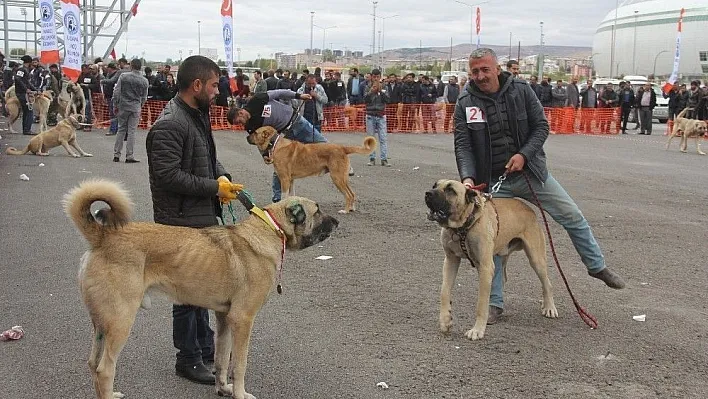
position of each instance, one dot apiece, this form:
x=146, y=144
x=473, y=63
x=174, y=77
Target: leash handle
x=586, y=316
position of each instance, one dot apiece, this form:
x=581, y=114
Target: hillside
x=463, y=50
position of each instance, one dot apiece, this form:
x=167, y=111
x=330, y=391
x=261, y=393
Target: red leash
x=588, y=318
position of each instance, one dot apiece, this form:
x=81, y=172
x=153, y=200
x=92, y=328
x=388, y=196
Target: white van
x=661, y=111
x=445, y=75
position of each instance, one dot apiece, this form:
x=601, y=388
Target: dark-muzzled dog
x=486, y=228
x=229, y=269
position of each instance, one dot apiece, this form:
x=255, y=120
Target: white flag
x=72, y=39
x=50, y=47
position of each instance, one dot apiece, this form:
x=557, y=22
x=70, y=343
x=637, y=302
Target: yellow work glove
x=227, y=190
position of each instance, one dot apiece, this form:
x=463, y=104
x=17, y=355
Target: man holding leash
x=187, y=182
x=264, y=109
x=23, y=87
x=500, y=129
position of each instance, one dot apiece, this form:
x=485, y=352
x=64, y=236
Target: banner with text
x=50, y=46
x=228, y=34
x=677, y=57
x=72, y=39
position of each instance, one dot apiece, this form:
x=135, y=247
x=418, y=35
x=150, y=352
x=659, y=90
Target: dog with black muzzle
x=477, y=227
x=229, y=269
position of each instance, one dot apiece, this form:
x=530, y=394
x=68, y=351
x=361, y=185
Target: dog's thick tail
x=369, y=145
x=77, y=204
x=15, y=151
x=682, y=113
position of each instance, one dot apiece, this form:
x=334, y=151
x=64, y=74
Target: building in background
x=646, y=32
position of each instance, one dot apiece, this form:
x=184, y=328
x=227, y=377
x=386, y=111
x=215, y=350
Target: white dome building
x=646, y=33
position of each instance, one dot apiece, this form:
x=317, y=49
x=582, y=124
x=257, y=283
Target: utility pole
x=540, y=56
x=23, y=11
x=510, y=45
x=420, y=53
x=373, y=36
x=518, y=52
x=614, y=37
x=199, y=37
x=634, y=47
x=312, y=32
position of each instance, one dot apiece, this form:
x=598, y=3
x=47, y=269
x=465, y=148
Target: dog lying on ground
x=229, y=269
x=688, y=128
x=294, y=160
x=486, y=228
x=64, y=134
x=40, y=107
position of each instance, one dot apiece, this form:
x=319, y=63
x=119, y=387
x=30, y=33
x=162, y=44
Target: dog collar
x=271, y=147
x=265, y=216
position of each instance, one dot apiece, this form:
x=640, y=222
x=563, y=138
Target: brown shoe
x=611, y=279
x=494, y=314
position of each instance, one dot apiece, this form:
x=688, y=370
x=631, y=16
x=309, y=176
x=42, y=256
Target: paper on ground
x=323, y=257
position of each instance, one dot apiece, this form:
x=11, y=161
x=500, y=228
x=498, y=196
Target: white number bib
x=21, y=74
x=266, y=111
x=474, y=114
x=87, y=80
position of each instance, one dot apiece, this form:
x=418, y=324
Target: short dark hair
x=511, y=63
x=355, y=70
x=148, y=70
x=376, y=72
x=168, y=66
x=224, y=72
x=97, y=60
x=136, y=64
x=111, y=65
x=278, y=70
x=258, y=73
x=122, y=60
x=195, y=67
x=305, y=72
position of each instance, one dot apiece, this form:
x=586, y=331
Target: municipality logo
x=46, y=12
x=227, y=35
x=71, y=22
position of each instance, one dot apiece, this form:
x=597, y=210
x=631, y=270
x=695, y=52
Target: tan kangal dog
x=486, y=228
x=294, y=160
x=63, y=134
x=228, y=269
x=40, y=107
x=689, y=128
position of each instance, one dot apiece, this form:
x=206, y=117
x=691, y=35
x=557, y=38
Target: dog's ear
x=295, y=213
x=472, y=195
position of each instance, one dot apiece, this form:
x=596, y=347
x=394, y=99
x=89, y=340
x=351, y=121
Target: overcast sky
x=162, y=28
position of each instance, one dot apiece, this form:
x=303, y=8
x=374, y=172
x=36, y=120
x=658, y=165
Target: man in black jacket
x=500, y=128
x=626, y=100
x=23, y=87
x=187, y=182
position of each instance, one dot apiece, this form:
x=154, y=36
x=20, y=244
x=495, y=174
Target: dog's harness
x=463, y=230
x=268, y=152
x=266, y=217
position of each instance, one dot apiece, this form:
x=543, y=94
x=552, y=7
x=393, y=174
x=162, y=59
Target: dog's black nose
x=428, y=194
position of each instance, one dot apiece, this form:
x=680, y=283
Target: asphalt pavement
x=370, y=314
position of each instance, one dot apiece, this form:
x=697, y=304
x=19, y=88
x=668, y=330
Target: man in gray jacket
x=500, y=129
x=129, y=96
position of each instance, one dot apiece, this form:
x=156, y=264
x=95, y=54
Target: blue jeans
x=376, y=126
x=304, y=132
x=561, y=207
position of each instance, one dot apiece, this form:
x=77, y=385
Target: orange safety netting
x=400, y=118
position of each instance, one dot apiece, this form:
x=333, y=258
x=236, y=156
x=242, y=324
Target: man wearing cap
x=23, y=87
x=264, y=109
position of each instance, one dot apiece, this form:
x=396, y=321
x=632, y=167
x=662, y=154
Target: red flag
x=134, y=9
x=113, y=53
x=233, y=85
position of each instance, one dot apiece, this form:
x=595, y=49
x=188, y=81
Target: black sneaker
x=385, y=163
x=371, y=162
x=196, y=373
x=610, y=278
x=132, y=160
x=116, y=159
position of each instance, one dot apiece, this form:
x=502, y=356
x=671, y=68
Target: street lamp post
x=312, y=32
x=655, y=58
x=540, y=56
x=324, y=37
x=373, y=36
x=634, y=47
x=382, y=37
x=472, y=9
x=23, y=11
x=199, y=37
x=614, y=37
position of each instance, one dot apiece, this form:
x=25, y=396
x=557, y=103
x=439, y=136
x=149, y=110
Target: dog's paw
x=684, y=151
x=118, y=395
x=701, y=153
x=76, y=155
x=475, y=333
x=549, y=311
x=225, y=390
x=88, y=155
x=342, y=211
x=446, y=323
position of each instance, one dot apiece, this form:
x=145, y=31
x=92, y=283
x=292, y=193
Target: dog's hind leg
x=75, y=144
x=684, y=142
x=535, y=249
x=450, y=268
x=222, y=355
x=342, y=185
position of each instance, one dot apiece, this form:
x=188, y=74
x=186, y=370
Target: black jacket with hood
x=527, y=124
